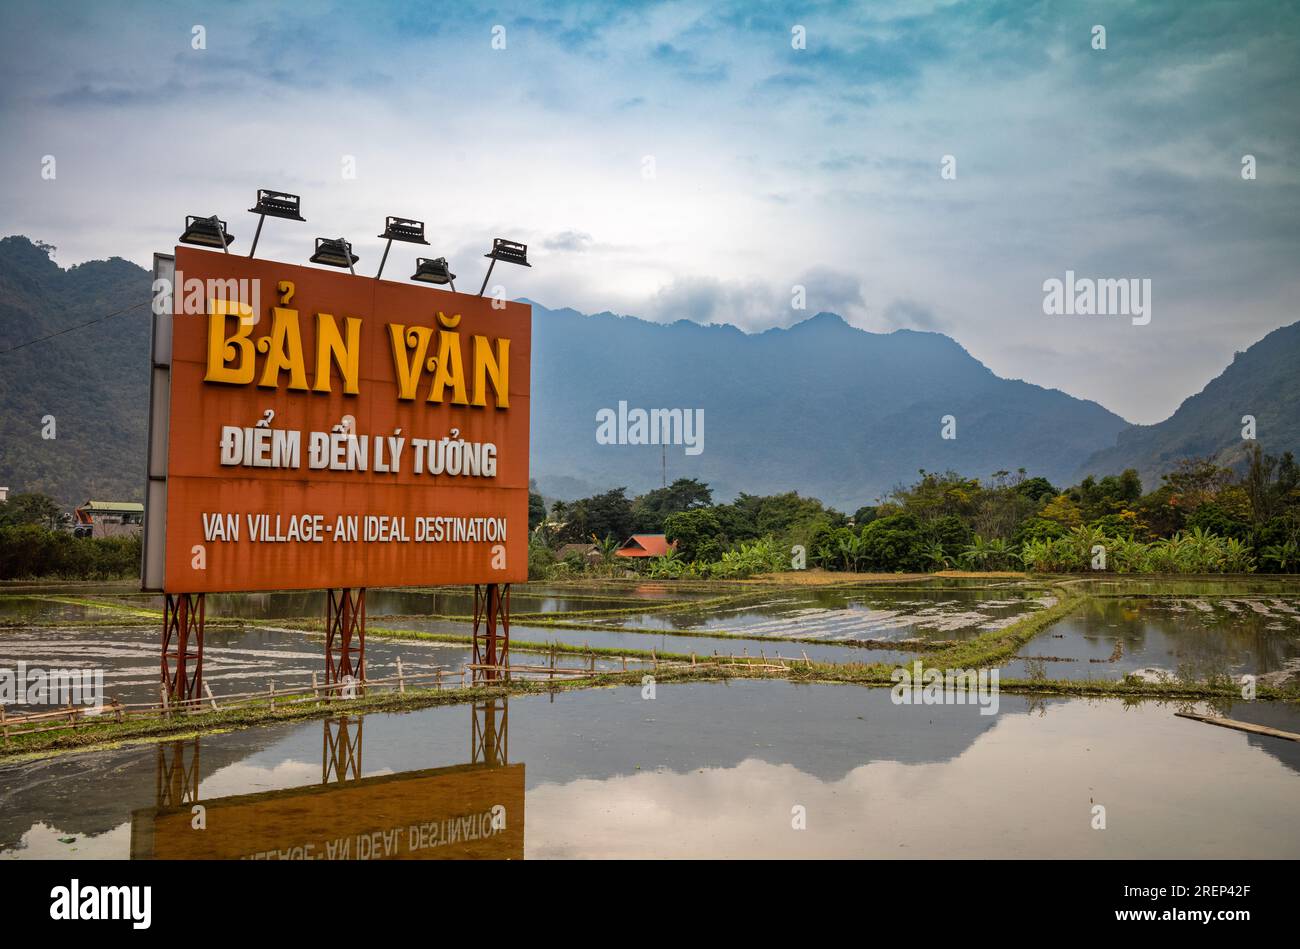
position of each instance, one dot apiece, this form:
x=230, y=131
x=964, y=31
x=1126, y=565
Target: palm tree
x=976, y=554
x=1205, y=551
x=850, y=551
x=1284, y=557
x=1237, y=557
x=1000, y=554
x=608, y=548
x=1129, y=556
x=935, y=557
x=669, y=565
x=1037, y=555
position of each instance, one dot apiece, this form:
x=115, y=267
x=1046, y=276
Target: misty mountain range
x=823, y=408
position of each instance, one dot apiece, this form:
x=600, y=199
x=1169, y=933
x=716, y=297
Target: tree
x=1212, y=517
x=697, y=534
x=1268, y=482
x=939, y=495
x=1063, y=511
x=785, y=516
x=1197, y=480
x=895, y=542
x=1037, y=489
x=864, y=515
x=608, y=514
x=650, y=509
x=536, y=507
x=951, y=532
x=39, y=509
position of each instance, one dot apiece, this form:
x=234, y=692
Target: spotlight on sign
x=511, y=252
x=334, y=252
x=207, y=232
x=400, y=229
x=273, y=204
x=434, y=271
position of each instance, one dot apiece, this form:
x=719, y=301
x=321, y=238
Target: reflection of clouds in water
x=42, y=842
x=1022, y=789
x=248, y=777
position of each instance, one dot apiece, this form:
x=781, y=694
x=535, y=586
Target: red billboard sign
x=314, y=429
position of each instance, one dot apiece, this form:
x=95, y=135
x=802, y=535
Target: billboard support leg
x=341, y=753
x=490, y=738
x=345, y=636
x=177, y=773
x=182, y=647
x=491, y=606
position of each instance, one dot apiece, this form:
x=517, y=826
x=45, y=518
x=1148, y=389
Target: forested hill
x=821, y=407
x=87, y=388
x=1263, y=382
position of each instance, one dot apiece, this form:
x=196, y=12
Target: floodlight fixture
x=207, y=232
x=334, y=252
x=434, y=271
x=274, y=204
x=400, y=229
x=512, y=252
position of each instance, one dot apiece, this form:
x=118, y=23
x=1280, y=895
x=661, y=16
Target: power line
x=70, y=329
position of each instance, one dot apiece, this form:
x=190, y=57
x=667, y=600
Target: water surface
x=707, y=770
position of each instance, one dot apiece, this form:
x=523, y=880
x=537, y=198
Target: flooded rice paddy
x=702, y=768
x=845, y=614
x=1186, y=639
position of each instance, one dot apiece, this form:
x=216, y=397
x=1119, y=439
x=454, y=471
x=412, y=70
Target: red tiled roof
x=644, y=545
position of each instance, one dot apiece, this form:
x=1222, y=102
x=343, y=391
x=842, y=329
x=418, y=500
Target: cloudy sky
x=686, y=161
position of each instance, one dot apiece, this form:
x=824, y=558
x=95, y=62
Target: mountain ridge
x=1260, y=381
x=821, y=406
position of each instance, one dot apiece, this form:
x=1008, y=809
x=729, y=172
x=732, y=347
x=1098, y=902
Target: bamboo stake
x=1240, y=726
x=401, y=682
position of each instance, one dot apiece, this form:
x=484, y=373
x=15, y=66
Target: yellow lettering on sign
x=496, y=367
x=330, y=346
x=409, y=365
x=450, y=370
x=284, y=351
x=232, y=355
x=230, y=358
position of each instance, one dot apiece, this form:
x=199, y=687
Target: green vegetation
x=1202, y=519
x=30, y=551
x=32, y=544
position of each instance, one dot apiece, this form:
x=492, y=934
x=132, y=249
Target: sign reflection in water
x=469, y=811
